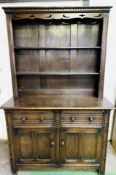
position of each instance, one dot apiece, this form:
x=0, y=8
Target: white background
x=5, y=73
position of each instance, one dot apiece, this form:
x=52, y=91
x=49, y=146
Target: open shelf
x=55, y=61
x=58, y=58
x=57, y=91
x=55, y=48
x=57, y=73
x=49, y=83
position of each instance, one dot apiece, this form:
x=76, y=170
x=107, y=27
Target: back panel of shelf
x=58, y=55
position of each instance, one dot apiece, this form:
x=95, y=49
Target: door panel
x=69, y=146
x=34, y=145
x=43, y=148
x=72, y=139
x=45, y=145
x=80, y=145
x=88, y=147
x=24, y=145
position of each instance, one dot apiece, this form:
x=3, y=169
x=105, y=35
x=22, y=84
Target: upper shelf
x=54, y=48
x=57, y=73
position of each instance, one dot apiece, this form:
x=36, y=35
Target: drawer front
x=32, y=117
x=76, y=117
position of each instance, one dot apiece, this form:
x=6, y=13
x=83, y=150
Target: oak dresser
x=58, y=117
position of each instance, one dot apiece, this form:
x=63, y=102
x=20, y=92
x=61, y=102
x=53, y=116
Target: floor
x=5, y=166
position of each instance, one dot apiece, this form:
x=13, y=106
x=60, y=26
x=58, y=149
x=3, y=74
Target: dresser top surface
x=57, y=102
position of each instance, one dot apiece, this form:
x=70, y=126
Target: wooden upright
x=58, y=117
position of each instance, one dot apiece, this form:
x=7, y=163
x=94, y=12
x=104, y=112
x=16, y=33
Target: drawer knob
x=62, y=143
x=52, y=143
x=72, y=119
x=90, y=119
x=41, y=119
x=23, y=119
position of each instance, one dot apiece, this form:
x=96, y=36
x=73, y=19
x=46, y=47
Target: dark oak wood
x=54, y=48
x=12, y=56
x=53, y=41
x=47, y=137
x=57, y=102
x=80, y=146
x=57, y=73
x=28, y=147
x=58, y=117
x=113, y=138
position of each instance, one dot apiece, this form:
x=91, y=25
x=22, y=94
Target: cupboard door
x=24, y=145
x=81, y=146
x=45, y=145
x=34, y=146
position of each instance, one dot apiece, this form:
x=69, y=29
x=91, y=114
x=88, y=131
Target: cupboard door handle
x=23, y=119
x=41, y=119
x=72, y=119
x=52, y=143
x=90, y=119
x=62, y=143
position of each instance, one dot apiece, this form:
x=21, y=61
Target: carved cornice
x=24, y=10
x=55, y=16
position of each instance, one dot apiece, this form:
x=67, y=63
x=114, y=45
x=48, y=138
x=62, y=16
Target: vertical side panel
x=12, y=56
x=104, y=141
x=114, y=132
x=10, y=141
x=103, y=54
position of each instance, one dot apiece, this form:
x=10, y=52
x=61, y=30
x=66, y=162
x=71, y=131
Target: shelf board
x=57, y=73
x=57, y=91
x=55, y=48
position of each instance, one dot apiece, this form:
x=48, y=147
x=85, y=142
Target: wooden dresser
x=58, y=117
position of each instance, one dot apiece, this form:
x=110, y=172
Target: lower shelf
x=57, y=91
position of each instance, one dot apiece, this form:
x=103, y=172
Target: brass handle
x=62, y=143
x=23, y=119
x=41, y=119
x=52, y=143
x=72, y=119
x=90, y=119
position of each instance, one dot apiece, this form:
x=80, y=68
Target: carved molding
x=15, y=10
x=50, y=16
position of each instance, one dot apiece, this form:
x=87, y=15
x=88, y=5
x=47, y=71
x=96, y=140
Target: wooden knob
x=23, y=119
x=90, y=119
x=41, y=119
x=52, y=143
x=72, y=119
x=62, y=143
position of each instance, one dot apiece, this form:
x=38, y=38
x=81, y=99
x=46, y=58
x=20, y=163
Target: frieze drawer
x=32, y=117
x=81, y=117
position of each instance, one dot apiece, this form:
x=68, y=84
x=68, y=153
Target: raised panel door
x=45, y=145
x=79, y=146
x=34, y=145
